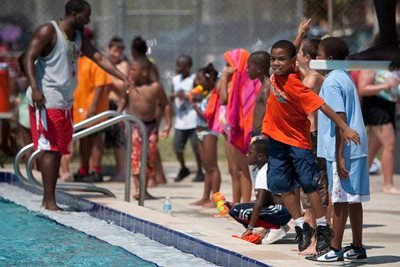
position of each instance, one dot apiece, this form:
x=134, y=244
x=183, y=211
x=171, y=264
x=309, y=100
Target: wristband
x=250, y=227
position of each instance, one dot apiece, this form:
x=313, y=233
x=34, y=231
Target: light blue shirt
x=340, y=93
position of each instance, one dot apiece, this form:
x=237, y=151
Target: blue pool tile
x=173, y=239
x=158, y=234
x=222, y=257
x=119, y=219
x=107, y=215
x=149, y=231
x=165, y=237
x=123, y=220
x=235, y=260
x=130, y=224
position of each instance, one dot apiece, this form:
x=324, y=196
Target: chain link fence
x=204, y=29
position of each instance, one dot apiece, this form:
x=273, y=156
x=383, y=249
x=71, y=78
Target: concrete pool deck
x=381, y=220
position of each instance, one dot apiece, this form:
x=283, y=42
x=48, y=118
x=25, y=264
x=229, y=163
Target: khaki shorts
x=322, y=190
x=323, y=180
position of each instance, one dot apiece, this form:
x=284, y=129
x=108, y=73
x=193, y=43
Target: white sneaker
x=276, y=234
x=328, y=256
x=286, y=227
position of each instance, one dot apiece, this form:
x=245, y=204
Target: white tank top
x=56, y=74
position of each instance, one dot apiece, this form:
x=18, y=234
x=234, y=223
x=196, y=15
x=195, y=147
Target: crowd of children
x=282, y=156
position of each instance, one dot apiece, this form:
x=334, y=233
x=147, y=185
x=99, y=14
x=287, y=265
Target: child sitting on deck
x=267, y=211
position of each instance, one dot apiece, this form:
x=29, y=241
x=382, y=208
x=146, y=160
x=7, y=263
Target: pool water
x=31, y=239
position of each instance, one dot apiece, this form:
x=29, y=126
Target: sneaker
x=324, y=237
x=275, y=235
x=199, y=177
x=92, y=177
x=303, y=237
x=79, y=177
x=183, y=172
x=96, y=177
x=329, y=255
x=355, y=255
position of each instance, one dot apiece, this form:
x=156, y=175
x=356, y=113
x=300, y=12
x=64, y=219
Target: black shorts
x=378, y=111
x=115, y=135
x=182, y=136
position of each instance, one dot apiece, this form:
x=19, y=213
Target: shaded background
x=203, y=29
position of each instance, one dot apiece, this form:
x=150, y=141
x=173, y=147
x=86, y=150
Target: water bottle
x=219, y=200
x=167, y=207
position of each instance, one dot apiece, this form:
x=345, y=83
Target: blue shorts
x=290, y=168
x=356, y=185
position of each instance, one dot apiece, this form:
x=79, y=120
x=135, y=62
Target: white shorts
x=338, y=194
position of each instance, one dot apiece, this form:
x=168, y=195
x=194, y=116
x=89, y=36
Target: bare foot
x=152, y=183
x=51, y=206
x=66, y=177
x=199, y=202
x=161, y=180
x=209, y=204
x=147, y=196
x=310, y=250
x=391, y=191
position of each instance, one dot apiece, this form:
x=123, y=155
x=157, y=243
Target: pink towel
x=241, y=100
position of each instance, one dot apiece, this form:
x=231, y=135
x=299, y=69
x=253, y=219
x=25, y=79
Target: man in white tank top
x=51, y=66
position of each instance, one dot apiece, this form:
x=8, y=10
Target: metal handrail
x=78, y=126
x=120, y=118
x=87, y=187
x=16, y=162
x=97, y=117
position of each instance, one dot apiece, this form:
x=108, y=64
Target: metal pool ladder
x=114, y=117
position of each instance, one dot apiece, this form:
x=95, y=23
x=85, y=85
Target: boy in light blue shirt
x=347, y=163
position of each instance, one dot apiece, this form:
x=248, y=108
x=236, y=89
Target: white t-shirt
x=185, y=117
x=261, y=178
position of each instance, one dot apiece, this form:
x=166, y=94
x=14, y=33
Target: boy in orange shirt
x=288, y=128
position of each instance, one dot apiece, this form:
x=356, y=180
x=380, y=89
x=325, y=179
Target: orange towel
x=252, y=238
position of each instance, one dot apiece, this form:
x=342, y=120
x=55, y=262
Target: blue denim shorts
x=290, y=168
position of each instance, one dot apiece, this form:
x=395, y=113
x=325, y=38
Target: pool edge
x=152, y=230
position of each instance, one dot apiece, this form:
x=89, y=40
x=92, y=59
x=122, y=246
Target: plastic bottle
x=167, y=207
x=219, y=200
x=198, y=90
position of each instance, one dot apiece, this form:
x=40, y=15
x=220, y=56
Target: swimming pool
x=145, y=233
x=128, y=245
x=30, y=238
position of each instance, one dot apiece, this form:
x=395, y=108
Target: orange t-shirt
x=288, y=106
x=90, y=77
